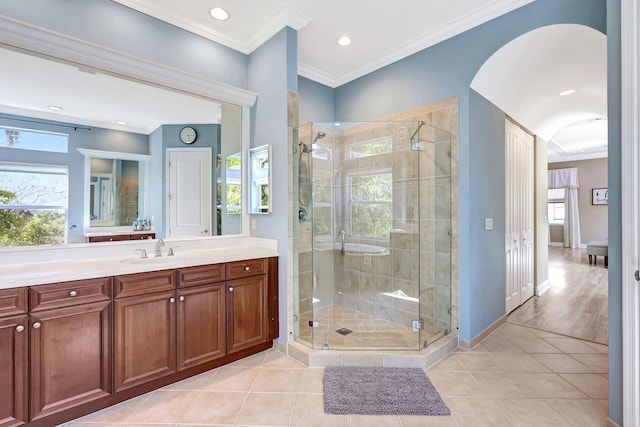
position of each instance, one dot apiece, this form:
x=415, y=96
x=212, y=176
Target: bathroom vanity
x=71, y=347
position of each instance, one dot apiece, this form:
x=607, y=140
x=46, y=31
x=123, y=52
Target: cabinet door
x=201, y=325
x=144, y=338
x=70, y=357
x=246, y=313
x=13, y=371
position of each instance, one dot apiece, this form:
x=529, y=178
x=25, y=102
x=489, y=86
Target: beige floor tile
x=308, y=411
x=477, y=412
x=506, y=385
x=213, y=407
x=601, y=348
x=598, y=362
x=536, y=345
x=127, y=424
x=571, y=345
x=562, y=363
x=479, y=362
x=311, y=381
x=198, y=382
x=531, y=413
x=545, y=334
x=451, y=363
x=519, y=362
x=581, y=412
x=91, y=424
x=514, y=331
x=373, y=420
x=456, y=384
x=117, y=413
x=233, y=379
x=501, y=345
x=595, y=386
x=277, y=380
x=426, y=421
x=164, y=406
x=267, y=409
x=253, y=361
x=277, y=359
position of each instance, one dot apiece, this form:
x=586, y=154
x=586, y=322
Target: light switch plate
x=488, y=223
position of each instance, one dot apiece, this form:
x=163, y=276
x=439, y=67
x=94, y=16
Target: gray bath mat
x=380, y=391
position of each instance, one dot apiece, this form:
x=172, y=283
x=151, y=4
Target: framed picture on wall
x=599, y=196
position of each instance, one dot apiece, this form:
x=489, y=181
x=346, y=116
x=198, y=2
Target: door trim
x=630, y=185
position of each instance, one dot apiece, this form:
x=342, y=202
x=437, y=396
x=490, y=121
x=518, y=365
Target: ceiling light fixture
x=54, y=108
x=568, y=92
x=219, y=13
x=344, y=41
x=121, y=122
x=337, y=124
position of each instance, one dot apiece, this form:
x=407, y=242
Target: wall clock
x=188, y=135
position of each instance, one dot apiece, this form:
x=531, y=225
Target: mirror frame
x=112, y=155
x=54, y=45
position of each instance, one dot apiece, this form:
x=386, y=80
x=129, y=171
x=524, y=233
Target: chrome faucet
x=159, y=243
x=144, y=253
x=342, y=234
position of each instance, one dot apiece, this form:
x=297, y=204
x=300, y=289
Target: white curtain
x=568, y=179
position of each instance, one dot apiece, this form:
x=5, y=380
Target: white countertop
x=89, y=261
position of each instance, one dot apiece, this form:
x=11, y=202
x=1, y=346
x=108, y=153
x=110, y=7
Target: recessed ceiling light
x=567, y=92
x=121, y=122
x=54, y=108
x=344, y=41
x=337, y=124
x=219, y=13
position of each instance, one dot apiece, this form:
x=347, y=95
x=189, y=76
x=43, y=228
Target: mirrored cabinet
x=260, y=180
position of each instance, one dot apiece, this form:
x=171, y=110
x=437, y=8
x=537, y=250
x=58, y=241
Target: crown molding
x=431, y=38
x=17, y=34
x=169, y=12
x=316, y=75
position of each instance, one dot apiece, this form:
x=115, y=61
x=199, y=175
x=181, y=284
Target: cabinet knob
x=172, y=300
x=73, y=293
x=111, y=239
x=37, y=325
x=247, y=268
x=181, y=297
x=231, y=289
x=19, y=328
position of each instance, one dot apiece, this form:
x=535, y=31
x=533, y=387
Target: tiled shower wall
x=425, y=213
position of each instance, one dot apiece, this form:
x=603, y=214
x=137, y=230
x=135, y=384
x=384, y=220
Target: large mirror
x=125, y=127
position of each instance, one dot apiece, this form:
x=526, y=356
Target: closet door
x=519, y=248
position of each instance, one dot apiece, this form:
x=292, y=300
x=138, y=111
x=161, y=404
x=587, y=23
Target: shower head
x=319, y=135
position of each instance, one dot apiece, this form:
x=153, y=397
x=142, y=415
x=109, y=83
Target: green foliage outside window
x=371, y=197
x=28, y=227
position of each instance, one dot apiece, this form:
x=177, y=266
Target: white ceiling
x=537, y=65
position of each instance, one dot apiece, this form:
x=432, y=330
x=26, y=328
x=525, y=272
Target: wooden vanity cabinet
x=69, y=345
x=121, y=237
x=201, y=314
x=144, y=328
x=13, y=357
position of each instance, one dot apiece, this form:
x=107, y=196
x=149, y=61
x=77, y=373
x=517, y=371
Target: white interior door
x=189, y=192
x=519, y=211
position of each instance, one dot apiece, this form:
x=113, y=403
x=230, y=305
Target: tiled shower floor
x=368, y=332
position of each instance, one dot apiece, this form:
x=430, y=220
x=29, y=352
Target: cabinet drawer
x=143, y=283
x=201, y=275
x=248, y=268
x=13, y=301
x=64, y=294
x=142, y=236
x=113, y=238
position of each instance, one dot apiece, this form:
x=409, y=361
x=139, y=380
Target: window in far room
x=555, y=208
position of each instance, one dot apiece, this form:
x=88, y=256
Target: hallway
x=576, y=303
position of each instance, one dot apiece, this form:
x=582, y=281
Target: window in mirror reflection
x=29, y=139
x=234, y=188
x=33, y=204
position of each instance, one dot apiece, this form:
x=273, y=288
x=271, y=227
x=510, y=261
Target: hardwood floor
x=575, y=304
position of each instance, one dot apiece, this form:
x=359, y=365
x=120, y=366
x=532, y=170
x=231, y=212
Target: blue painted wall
x=95, y=138
x=317, y=102
x=270, y=67
x=615, y=211
x=109, y=24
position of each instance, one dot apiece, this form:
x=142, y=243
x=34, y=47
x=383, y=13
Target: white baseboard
x=556, y=244
x=542, y=287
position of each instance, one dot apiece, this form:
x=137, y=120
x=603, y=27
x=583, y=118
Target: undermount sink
x=155, y=260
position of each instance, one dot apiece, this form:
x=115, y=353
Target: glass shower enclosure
x=372, y=235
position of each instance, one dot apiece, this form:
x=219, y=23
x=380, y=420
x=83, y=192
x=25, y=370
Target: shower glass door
x=373, y=221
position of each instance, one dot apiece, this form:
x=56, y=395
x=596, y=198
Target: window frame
x=351, y=202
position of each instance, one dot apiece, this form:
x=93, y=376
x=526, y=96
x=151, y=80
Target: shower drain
x=344, y=331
